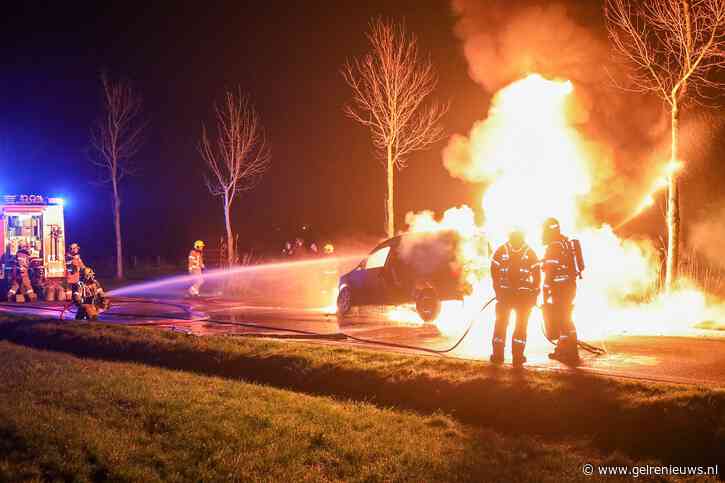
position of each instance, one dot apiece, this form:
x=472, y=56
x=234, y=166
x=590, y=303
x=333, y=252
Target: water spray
x=225, y=272
x=649, y=200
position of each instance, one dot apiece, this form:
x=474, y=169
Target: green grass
x=69, y=419
x=670, y=423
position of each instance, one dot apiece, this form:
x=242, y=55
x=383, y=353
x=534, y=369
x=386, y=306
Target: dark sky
x=181, y=57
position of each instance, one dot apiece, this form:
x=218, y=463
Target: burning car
x=421, y=268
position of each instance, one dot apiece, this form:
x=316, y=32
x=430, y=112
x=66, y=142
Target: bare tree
x=390, y=85
x=672, y=48
x=237, y=158
x=116, y=138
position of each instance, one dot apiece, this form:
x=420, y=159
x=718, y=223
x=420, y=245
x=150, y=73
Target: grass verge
x=69, y=419
x=673, y=424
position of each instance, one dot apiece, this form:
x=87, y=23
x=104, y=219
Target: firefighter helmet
x=517, y=238
x=329, y=249
x=199, y=245
x=550, y=230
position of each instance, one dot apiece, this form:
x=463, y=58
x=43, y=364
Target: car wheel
x=428, y=305
x=344, y=301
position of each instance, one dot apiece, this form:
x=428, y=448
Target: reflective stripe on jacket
x=515, y=269
x=196, y=260
x=558, y=263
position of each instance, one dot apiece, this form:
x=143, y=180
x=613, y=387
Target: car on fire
x=420, y=268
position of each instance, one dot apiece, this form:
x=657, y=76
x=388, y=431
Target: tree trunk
x=117, y=226
x=228, y=224
x=673, y=207
x=390, y=212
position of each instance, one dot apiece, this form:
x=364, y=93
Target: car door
x=373, y=283
x=356, y=281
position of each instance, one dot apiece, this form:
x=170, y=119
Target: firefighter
x=288, y=251
x=313, y=249
x=88, y=296
x=20, y=278
x=73, y=265
x=560, y=267
x=516, y=281
x=196, y=267
x=9, y=265
x=7, y=261
x=298, y=249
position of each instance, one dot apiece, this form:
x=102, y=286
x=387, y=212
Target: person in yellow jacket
x=196, y=267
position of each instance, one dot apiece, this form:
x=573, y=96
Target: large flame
x=531, y=155
x=535, y=163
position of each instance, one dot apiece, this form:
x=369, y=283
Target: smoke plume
x=707, y=235
x=505, y=41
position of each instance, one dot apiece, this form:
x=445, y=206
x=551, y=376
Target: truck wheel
x=428, y=305
x=344, y=301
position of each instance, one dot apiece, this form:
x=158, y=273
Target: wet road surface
x=696, y=357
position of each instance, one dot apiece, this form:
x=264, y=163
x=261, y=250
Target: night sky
x=181, y=57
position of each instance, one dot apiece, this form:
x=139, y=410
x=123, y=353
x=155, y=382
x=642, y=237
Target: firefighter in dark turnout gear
x=73, y=267
x=560, y=273
x=73, y=264
x=88, y=296
x=516, y=280
x=20, y=275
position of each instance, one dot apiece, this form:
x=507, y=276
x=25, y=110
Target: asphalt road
x=697, y=357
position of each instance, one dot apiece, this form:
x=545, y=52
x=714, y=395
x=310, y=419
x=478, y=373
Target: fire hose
x=582, y=345
x=424, y=349
x=67, y=308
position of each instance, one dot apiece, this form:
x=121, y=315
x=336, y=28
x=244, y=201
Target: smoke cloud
x=706, y=237
x=505, y=41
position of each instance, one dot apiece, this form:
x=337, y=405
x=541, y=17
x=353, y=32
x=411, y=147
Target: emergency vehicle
x=38, y=221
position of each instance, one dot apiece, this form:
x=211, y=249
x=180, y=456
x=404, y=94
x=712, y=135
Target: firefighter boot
x=91, y=311
x=570, y=353
x=517, y=350
x=498, y=347
x=557, y=352
x=567, y=351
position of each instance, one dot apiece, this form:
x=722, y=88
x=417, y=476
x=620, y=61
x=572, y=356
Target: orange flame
x=537, y=164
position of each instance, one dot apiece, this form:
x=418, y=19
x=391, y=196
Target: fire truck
x=38, y=221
